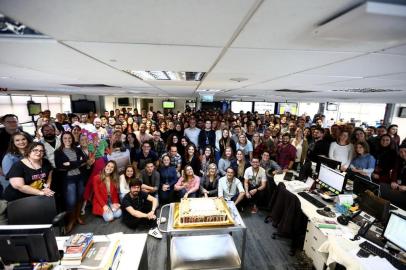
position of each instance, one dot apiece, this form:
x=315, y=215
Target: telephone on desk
x=363, y=230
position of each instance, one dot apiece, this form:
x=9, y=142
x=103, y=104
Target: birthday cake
x=202, y=210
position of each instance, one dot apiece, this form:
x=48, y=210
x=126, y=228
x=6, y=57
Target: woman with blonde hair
x=209, y=182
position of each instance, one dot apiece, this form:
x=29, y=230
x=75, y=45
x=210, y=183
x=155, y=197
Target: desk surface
x=339, y=246
x=132, y=248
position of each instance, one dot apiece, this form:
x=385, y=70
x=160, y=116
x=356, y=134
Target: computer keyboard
x=383, y=254
x=311, y=199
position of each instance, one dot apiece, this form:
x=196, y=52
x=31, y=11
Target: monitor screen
x=361, y=184
x=33, y=108
x=123, y=101
x=207, y=98
x=395, y=230
x=237, y=106
x=168, y=104
x=287, y=107
x=262, y=107
x=28, y=243
x=332, y=106
x=83, y=106
x=331, y=179
x=332, y=163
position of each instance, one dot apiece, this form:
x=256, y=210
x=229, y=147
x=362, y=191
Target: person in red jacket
x=106, y=199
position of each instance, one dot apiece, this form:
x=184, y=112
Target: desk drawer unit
x=314, y=239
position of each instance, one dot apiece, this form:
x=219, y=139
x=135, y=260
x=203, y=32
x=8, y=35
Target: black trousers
x=133, y=222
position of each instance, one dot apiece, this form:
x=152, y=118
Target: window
x=17, y=104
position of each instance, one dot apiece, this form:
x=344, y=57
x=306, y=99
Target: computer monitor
x=334, y=164
x=331, y=179
x=395, y=230
x=374, y=206
x=28, y=243
x=361, y=184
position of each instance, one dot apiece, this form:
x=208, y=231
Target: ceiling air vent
x=366, y=90
x=294, y=91
x=83, y=85
x=166, y=75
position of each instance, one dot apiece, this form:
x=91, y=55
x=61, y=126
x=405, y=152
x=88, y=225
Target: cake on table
x=202, y=210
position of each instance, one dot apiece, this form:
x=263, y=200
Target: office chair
x=35, y=210
x=286, y=215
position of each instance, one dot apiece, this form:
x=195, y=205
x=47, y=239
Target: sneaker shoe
x=155, y=233
x=161, y=220
x=254, y=209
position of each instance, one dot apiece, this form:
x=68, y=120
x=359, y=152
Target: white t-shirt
x=193, y=135
x=342, y=153
x=255, y=178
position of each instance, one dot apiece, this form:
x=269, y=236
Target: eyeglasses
x=38, y=151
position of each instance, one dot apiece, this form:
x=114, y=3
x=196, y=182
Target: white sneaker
x=155, y=233
x=161, y=220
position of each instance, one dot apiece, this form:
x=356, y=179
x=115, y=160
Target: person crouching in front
x=139, y=209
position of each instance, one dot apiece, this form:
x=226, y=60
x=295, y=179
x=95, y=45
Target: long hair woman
x=188, y=184
x=19, y=142
x=30, y=176
x=106, y=202
x=125, y=178
x=385, y=161
x=206, y=159
x=69, y=161
x=363, y=162
x=191, y=157
x=209, y=182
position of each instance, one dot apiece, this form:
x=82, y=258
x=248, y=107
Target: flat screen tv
x=287, y=107
x=33, y=108
x=123, y=101
x=402, y=112
x=83, y=106
x=237, y=106
x=168, y=104
x=262, y=107
x=206, y=98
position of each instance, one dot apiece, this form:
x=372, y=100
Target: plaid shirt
x=175, y=161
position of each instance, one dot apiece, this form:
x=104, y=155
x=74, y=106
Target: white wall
x=401, y=122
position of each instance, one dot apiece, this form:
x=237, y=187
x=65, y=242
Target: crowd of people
x=180, y=155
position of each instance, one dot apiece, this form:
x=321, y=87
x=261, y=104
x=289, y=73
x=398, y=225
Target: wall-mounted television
x=83, y=106
x=168, y=104
x=237, y=106
x=33, y=108
x=332, y=106
x=402, y=112
x=287, y=107
x=262, y=107
x=206, y=98
x=123, y=101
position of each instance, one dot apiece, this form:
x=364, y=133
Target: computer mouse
x=327, y=209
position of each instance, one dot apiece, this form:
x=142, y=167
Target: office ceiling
x=247, y=48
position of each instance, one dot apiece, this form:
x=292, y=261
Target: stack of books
x=76, y=248
x=103, y=255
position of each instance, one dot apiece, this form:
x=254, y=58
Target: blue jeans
x=74, y=188
x=111, y=214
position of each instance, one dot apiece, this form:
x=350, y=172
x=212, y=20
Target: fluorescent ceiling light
x=167, y=75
